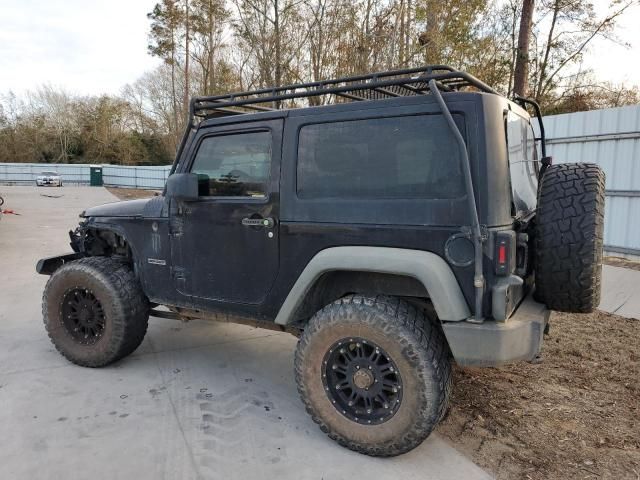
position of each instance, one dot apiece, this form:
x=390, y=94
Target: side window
x=522, y=163
x=400, y=157
x=235, y=165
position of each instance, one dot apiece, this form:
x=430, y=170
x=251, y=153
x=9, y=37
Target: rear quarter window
x=522, y=163
x=396, y=157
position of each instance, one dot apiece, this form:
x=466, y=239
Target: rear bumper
x=497, y=343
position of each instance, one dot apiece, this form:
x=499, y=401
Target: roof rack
x=374, y=86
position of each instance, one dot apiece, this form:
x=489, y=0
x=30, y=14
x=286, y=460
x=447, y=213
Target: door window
x=235, y=165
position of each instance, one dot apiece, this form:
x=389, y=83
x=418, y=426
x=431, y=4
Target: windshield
x=49, y=173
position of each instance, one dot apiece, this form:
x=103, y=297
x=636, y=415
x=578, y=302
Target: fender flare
x=428, y=268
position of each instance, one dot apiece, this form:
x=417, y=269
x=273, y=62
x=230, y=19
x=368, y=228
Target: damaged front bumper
x=494, y=343
x=46, y=266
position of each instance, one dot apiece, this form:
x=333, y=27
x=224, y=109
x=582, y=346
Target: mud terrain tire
x=415, y=344
x=112, y=294
x=569, y=237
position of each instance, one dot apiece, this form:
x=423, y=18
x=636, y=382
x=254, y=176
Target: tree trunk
x=186, y=59
x=521, y=72
x=173, y=90
x=276, y=24
x=211, y=58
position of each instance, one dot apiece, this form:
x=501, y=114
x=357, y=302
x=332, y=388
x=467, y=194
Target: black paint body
x=200, y=255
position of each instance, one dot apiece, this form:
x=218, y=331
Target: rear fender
x=428, y=268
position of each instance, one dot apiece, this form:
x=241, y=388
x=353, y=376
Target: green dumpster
x=95, y=178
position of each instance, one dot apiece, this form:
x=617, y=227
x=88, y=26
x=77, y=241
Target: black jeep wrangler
x=396, y=222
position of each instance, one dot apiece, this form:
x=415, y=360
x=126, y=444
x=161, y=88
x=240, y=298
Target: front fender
x=430, y=269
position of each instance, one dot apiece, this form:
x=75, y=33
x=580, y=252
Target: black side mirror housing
x=183, y=186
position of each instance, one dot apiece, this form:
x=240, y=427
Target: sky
x=84, y=46
x=98, y=46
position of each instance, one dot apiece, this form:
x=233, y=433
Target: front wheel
x=374, y=373
x=94, y=311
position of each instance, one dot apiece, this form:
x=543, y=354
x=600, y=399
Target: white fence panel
x=153, y=177
x=611, y=139
x=26, y=173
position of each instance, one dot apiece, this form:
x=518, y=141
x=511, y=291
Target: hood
x=128, y=208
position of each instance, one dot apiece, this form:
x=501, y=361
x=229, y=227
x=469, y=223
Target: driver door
x=224, y=246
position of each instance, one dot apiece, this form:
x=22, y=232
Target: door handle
x=259, y=222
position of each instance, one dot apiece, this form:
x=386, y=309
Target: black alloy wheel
x=82, y=316
x=362, y=381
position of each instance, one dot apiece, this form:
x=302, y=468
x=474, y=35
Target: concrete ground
x=621, y=291
x=201, y=400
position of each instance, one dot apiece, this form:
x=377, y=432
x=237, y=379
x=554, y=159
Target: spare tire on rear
x=569, y=237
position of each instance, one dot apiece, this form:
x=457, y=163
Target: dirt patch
x=575, y=415
x=131, y=193
x=622, y=262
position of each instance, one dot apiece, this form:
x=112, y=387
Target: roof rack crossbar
x=387, y=92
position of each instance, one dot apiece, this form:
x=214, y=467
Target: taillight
x=502, y=254
x=505, y=252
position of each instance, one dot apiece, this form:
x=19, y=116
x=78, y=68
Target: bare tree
x=521, y=72
x=572, y=28
x=166, y=21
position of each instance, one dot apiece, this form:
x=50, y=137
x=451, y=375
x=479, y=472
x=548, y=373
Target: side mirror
x=183, y=186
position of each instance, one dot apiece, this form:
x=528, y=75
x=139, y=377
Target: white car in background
x=49, y=178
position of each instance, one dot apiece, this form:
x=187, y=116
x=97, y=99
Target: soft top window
x=396, y=157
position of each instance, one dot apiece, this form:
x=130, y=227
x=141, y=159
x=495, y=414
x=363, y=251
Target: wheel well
x=104, y=243
x=338, y=283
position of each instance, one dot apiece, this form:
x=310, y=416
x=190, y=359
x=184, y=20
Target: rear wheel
x=569, y=237
x=374, y=374
x=95, y=311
